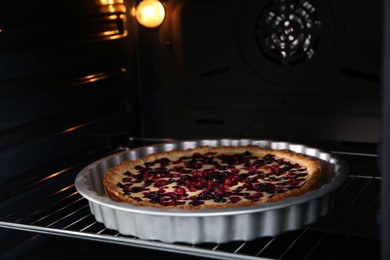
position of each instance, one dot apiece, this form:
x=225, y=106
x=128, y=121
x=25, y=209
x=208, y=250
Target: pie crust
x=213, y=177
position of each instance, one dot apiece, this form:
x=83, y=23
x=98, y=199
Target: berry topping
x=180, y=191
x=213, y=178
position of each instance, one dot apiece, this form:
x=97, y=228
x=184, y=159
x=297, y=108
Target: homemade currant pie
x=212, y=177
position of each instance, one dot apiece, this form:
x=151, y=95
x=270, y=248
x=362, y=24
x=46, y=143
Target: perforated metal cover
x=209, y=225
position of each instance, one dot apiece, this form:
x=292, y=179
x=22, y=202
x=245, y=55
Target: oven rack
x=350, y=229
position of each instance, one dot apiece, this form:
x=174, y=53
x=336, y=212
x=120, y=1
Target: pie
x=213, y=177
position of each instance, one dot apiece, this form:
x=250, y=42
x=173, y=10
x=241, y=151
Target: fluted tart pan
x=210, y=225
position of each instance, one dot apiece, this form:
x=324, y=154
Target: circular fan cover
x=288, y=42
x=288, y=31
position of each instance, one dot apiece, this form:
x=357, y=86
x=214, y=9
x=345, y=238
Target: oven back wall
x=67, y=84
x=272, y=69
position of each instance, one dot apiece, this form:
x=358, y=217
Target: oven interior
x=80, y=80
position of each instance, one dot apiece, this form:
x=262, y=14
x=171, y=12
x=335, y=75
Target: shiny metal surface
x=210, y=225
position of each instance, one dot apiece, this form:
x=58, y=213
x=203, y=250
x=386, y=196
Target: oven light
x=150, y=13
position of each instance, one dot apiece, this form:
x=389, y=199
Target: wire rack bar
x=130, y=241
x=350, y=235
x=332, y=227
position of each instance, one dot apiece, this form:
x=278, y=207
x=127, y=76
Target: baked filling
x=212, y=177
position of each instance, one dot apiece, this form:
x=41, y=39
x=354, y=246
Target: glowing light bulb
x=150, y=13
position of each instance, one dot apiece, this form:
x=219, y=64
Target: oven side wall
x=68, y=83
x=68, y=93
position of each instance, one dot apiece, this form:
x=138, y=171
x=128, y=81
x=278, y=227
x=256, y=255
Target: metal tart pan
x=210, y=225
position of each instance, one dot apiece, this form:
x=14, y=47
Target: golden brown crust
x=115, y=174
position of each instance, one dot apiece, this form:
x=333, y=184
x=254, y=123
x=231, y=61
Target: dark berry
x=120, y=185
x=153, y=196
x=265, y=187
x=218, y=198
x=242, y=176
x=161, y=170
x=136, y=189
x=209, y=160
x=251, y=180
x=206, y=195
x=126, y=179
x=148, y=183
x=148, y=164
x=196, y=201
x=164, y=161
x=127, y=173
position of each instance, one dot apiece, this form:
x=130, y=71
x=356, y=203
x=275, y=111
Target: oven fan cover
x=209, y=225
x=287, y=41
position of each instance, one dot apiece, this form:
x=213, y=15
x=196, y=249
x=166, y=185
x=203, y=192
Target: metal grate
x=350, y=230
